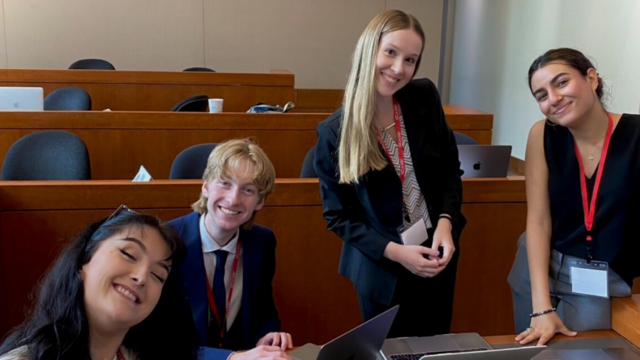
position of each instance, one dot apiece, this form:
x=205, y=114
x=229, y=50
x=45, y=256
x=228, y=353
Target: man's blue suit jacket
x=258, y=312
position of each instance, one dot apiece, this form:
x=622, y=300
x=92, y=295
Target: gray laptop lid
x=434, y=344
x=13, y=98
x=479, y=161
x=361, y=343
x=521, y=353
x=589, y=354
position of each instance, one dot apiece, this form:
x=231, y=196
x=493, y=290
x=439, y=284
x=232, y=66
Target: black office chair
x=197, y=68
x=92, y=64
x=68, y=99
x=462, y=139
x=195, y=103
x=191, y=162
x=307, y=165
x=47, y=155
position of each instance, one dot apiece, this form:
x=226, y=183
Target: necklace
x=592, y=151
x=389, y=126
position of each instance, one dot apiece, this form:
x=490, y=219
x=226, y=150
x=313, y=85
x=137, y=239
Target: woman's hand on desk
x=280, y=339
x=544, y=328
x=413, y=257
x=261, y=353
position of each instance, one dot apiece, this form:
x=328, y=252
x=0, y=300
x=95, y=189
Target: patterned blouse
x=414, y=202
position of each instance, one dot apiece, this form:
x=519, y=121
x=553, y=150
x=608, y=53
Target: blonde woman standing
x=390, y=181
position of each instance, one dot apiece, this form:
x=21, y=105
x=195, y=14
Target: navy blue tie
x=219, y=291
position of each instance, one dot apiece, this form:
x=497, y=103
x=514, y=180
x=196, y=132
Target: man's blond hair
x=234, y=155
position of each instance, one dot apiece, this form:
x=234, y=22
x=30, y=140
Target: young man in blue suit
x=231, y=262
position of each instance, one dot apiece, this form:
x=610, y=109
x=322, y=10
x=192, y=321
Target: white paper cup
x=215, y=105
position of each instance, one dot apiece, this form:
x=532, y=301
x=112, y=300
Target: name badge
x=590, y=279
x=416, y=234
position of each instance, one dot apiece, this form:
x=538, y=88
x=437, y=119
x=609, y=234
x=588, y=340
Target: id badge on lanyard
x=590, y=277
x=416, y=234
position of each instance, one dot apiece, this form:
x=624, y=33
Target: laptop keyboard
x=420, y=355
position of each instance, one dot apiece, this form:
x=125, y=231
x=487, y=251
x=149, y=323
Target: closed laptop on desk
x=480, y=161
x=469, y=346
x=21, y=99
x=589, y=354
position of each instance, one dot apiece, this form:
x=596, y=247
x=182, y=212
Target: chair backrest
x=195, y=103
x=92, y=64
x=197, y=68
x=68, y=99
x=191, y=162
x=307, y=165
x=47, y=155
x=462, y=139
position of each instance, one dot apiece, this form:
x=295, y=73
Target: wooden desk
x=160, y=91
x=472, y=122
x=36, y=218
x=626, y=318
x=119, y=142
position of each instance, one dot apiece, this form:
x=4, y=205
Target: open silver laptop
x=468, y=346
x=478, y=161
x=361, y=343
x=21, y=98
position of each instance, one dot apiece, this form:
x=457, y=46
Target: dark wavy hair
x=567, y=56
x=57, y=327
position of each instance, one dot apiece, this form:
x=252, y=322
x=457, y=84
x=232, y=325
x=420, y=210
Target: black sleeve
x=270, y=322
x=451, y=172
x=341, y=208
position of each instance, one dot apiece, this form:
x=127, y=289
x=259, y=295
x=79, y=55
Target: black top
x=616, y=226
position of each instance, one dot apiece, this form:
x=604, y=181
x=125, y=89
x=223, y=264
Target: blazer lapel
x=194, y=274
x=415, y=125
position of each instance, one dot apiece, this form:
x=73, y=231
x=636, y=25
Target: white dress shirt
x=208, y=247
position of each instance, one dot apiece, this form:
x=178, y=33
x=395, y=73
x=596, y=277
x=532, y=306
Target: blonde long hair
x=358, y=150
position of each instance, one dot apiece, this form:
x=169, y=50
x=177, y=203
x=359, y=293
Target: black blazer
x=367, y=215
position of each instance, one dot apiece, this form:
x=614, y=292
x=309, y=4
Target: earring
x=550, y=123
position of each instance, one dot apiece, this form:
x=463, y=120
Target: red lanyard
x=590, y=211
x=396, y=119
x=212, y=302
x=119, y=355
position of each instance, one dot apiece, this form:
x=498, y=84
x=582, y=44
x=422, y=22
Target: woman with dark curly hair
x=109, y=295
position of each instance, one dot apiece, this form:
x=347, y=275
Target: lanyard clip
x=589, y=254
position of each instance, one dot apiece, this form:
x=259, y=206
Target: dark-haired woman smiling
x=107, y=296
x=582, y=175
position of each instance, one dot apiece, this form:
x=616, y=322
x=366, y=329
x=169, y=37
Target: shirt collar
x=210, y=245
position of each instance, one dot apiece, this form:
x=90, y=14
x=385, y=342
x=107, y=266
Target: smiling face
x=563, y=94
x=398, y=54
x=231, y=201
x=124, y=278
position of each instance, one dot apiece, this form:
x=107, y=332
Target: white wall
x=495, y=42
x=312, y=38
x=3, y=44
